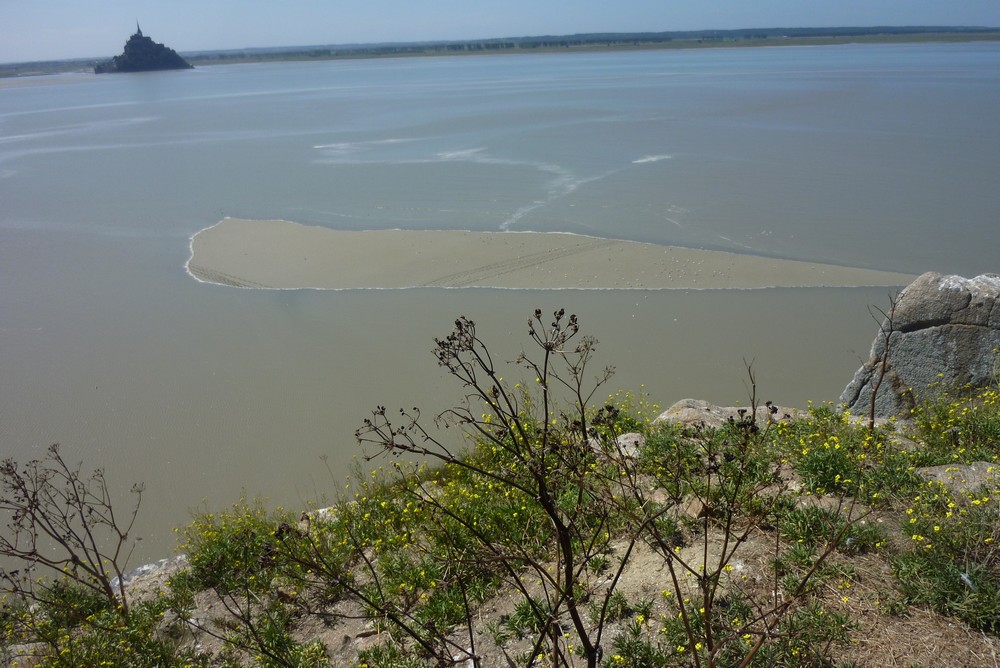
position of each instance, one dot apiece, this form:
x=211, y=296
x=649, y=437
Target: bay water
x=880, y=156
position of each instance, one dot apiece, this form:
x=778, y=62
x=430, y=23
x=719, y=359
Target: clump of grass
x=638, y=646
x=388, y=655
x=809, y=526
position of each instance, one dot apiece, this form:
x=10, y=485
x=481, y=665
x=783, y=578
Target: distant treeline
x=597, y=41
x=588, y=41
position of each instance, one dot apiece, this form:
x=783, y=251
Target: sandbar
x=279, y=254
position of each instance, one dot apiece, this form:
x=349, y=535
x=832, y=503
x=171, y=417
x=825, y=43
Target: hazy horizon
x=47, y=30
x=293, y=47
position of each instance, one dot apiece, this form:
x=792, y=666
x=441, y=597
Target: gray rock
x=963, y=478
x=631, y=444
x=183, y=632
x=626, y=445
x=692, y=412
x=945, y=330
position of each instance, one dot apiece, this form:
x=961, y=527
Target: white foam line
x=355, y=145
x=735, y=243
x=686, y=288
x=470, y=154
x=562, y=183
x=652, y=158
x=187, y=264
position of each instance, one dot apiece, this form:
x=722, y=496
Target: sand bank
x=279, y=254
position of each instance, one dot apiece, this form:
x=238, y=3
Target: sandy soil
x=285, y=255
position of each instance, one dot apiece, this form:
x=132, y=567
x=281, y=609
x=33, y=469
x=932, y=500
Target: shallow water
x=876, y=156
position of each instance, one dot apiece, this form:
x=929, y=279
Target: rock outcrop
x=696, y=412
x=142, y=54
x=962, y=478
x=944, y=329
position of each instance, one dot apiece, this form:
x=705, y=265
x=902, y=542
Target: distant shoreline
x=622, y=43
x=586, y=43
x=282, y=255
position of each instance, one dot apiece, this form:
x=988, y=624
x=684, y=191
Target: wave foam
x=651, y=158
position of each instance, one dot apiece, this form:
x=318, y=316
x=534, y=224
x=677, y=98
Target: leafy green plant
x=804, y=637
x=101, y=638
x=958, y=426
x=637, y=648
x=953, y=564
x=262, y=633
x=618, y=607
x=229, y=549
x=241, y=555
x=388, y=656
x=528, y=616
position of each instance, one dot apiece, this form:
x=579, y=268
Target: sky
x=61, y=29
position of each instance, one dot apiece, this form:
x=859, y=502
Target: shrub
x=235, y=548
x=960, y=426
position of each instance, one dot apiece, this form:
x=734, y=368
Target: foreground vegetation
x=567, y=531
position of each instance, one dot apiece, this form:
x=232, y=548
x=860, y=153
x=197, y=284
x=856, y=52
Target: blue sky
x=56, y=29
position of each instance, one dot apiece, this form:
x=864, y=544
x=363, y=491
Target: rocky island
x=142, y=54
